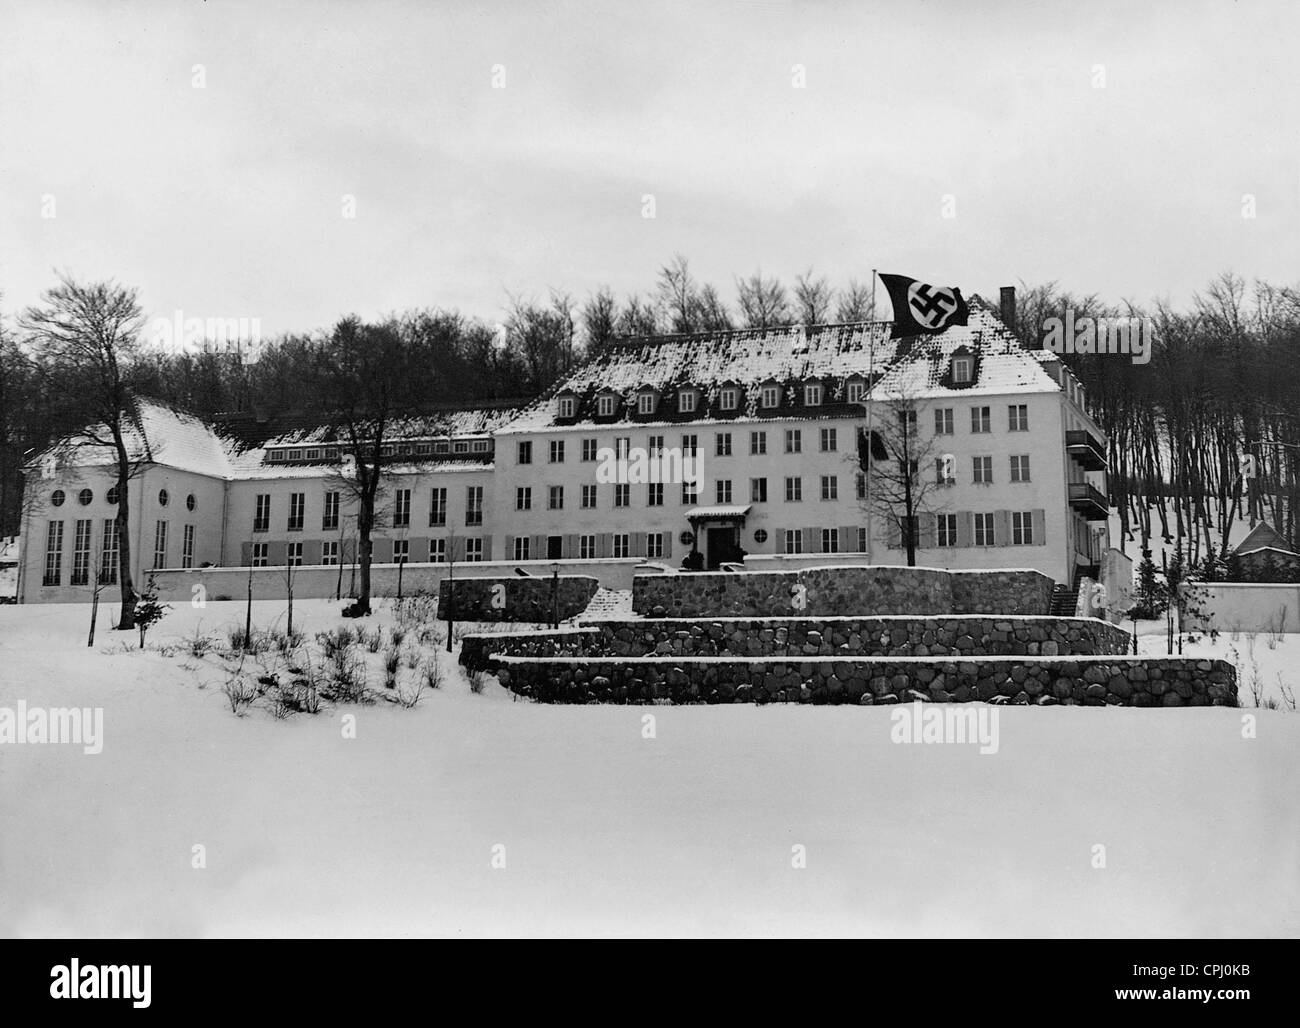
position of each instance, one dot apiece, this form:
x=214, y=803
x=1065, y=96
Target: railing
x=1087, y=447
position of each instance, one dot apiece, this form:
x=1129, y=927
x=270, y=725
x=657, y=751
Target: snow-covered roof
x=790, y=357
x=1263, y=537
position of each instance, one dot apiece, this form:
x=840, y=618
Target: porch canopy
x=721, y=514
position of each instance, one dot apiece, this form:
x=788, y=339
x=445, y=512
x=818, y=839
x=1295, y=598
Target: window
x=727, y=398
x=557, y=451
x=654, y=494
x=943, y=470
x=961, y=369
x=441, y=446
x=770, y=396
x=331, y=453
x=793, y=490
x=722, y=444
x=722, y=490
x=108, y=556
x=525, y=450
x=605, y=406
x=686, y=400
x=566, y=406
x=830, y=487
x=437, y=551
x=163, y=498
x=979, y=420
x=793, y=540
x=812, y=395
x=757, y=443
x=1018, y=417
x=645, y=403
x=522, y=544
x=1020, y=467
x=53, y=553
x=943, y=421
x=262, y=514
x=187, y=547
x=588, y=497
x=830, y=540
x=474, y=550
x=690, y=445
x=314, y=452
x=401, y=550
x=861, y=480
x=862, y=540
x=758, y=490
x=524, y=498
x=474, y=505
x=793, y=440
x=586, y=547
x=1022, y=528
x=655, y=445
x=654, y=544
x=622, y=494
x=111, y=495
x=983, y=471
x=830, y=440
x=57, y=497
x=190, y=502
x=81, y=554
x=85, y=496
x=856, y=391
x=907, y=422
x=297, y=453
x=622, y=544
x=983, y=529
x=329, y=552
x=437, y=507
x=589, y=447
x=261, y=554
x=946, y=529
x=690, y=492
x=298, y=505
x=329, y=518
x=555, y=497
x=293, y=555
x=622, y=447
x=160, y=544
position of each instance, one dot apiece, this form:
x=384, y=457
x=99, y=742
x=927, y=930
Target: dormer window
x=423, y=449
x=295, y=454
x=645, y=403
x=770, y=396
x=812, y=395
x=460, y=446
x=331, y=453
x=856, y=391
x=480, y=446
x=605, y=406
x=313, y=454
x=727, y=398
x=961, y=370
x=566, y=406
x=386, y=450
x=273, y=455
x=441, y=446
x=686, y=400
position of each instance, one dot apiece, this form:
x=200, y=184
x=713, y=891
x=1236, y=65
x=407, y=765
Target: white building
x=773, y=418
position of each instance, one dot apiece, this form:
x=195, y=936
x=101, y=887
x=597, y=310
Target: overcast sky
x=227, y=200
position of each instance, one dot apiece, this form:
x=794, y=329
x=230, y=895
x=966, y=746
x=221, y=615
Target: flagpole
x=871, y=366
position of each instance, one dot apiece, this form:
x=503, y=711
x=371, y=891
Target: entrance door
x=554, y=547
x=724, y=545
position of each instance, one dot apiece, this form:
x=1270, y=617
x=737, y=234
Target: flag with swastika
x=922, y=309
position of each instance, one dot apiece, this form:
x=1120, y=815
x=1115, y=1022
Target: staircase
x=1064, y=600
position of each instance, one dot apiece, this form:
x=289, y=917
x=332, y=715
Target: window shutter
x=570, y=547
x=638, y=544
x=538, y=547
x=1040, y=528
x=965, y=528
x=458, y=548
x=277, y=552
x=487, y=547
x=780, y=539
x=381, y=551
x=605, y=542
x=668, y=544
x=894, y=535
x=510, y=548
x=927, y=532
x=245, y=554
x=311, y=551
x=811, y=541
x=848, y=539
x=1002, y=528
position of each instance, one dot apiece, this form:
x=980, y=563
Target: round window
x=189, y=502
x=687, y=538
x=56, y=497
x=163, y=497
x=111, y=495
x=84, y=497
x=760, y=536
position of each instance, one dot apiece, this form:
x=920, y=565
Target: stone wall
x=841, y=590
x=955, y=636
x=1044, y=681
x=514, y=599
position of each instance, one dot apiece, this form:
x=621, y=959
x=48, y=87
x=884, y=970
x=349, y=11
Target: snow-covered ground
x=606, y=832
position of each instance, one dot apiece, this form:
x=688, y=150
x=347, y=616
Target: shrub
x=239, y=693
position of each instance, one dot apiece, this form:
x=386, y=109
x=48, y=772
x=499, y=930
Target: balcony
x=1086, y=448
x=1089, y=501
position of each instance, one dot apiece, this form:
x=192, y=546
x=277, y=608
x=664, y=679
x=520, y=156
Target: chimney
x=1008, y=307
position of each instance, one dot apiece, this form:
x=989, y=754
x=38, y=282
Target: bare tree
x=678, y=295
x=763, y=301
x=855, y=303
x=86, y=339
x=713, y=315
x=638, y=318
x=599, y=320
x=813, y=298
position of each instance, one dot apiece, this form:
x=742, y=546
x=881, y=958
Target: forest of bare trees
x=1221, y=383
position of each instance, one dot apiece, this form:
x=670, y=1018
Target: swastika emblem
x=932, y=306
